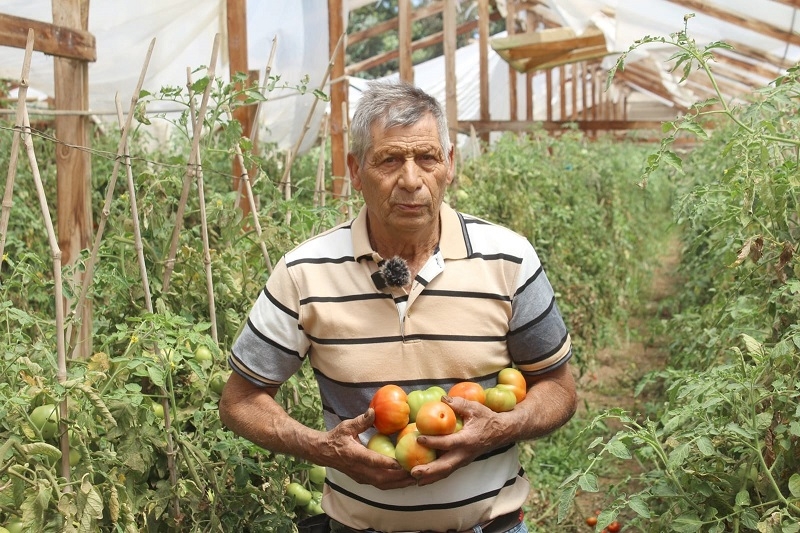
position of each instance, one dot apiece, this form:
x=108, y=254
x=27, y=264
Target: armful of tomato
x=550, y=402
x=252, y=412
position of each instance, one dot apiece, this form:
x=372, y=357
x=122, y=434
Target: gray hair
x=391, y=104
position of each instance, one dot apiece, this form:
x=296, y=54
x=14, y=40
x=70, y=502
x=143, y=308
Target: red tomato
x=391, y=409
x=436, y=418
x=468, y=390
x=613, y=527
x=591, y=521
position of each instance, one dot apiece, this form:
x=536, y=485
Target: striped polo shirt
x=480, y=304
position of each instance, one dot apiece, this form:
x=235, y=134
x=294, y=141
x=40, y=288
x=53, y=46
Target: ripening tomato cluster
x=613, y=527
x=421, y=412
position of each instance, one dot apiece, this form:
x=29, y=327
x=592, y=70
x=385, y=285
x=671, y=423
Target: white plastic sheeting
x=184, y=31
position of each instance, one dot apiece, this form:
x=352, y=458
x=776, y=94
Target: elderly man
x=468, y=299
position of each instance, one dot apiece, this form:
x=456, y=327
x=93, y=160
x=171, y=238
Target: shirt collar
x=453, y=243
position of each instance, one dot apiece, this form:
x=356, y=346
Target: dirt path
x=611, y=380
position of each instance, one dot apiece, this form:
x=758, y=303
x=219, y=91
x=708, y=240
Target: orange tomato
x=410, y=453
x=514, y=378
x=436, y=418
x=391, y=409
x=412, y=426
x=468, y=390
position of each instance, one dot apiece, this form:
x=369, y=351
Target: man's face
x=403, y=178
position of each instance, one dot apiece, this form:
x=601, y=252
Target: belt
x=501, y=524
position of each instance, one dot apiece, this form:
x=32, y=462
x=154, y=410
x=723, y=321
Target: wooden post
x=549, y=95
x=562, y=92
x=483, y=61
x=73, y=166
x=236, y=19
x=405, y=38
x=511, y=28
x=451, y=97
x=584, y=114
x=573, y=71
x=338, y=95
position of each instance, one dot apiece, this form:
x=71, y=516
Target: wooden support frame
x=73, y=161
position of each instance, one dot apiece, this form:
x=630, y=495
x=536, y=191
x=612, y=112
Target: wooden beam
x=793, y=3
x=751, y=24
x=51, y=39
x=759, y=55
x=392, y=24
x=73, y=159
x=338, y=94
x=419, y=44
x=487, y=126
x=449, y=27
x=236, y=20
x=511, y=29
x=483, y=60
x=405, y=39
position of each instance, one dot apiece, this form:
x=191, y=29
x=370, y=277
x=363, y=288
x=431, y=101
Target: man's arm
x=550, y=402
x=252, y=412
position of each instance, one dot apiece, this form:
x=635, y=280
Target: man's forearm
x=549, y=403
x=253, y=413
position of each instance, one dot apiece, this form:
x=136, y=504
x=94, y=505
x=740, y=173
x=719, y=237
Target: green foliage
x=578, y=203
x=722, y=453
x=120, y=436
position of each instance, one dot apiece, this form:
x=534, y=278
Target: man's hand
x=343, y=451
x=483, y=430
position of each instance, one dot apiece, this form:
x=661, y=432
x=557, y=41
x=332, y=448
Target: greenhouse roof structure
x=764, y=39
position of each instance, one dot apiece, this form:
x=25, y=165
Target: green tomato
x=45, y=418
x=74, y=458
x=217, y=382
x=202, y=353
x=3, y=530
x=417, y=398
x=381, y=444
x=14, y=526
x=314, y=508
x=158, y=409
x=500, y=400
x=317, y=475
x=300, y=495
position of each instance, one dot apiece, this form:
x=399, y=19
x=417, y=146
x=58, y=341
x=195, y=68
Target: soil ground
x=611, y=380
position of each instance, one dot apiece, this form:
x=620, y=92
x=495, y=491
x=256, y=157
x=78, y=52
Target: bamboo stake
x=245, y=178
x=169, y=264
x=137, y=232
x=107, y=205
x=286, y=183
x=59, y=292
x=12, y=162
x=196, y=134
x=212, y=311
x=307, y=124
x=165, y=401
x=347, y=188
x=319, y=188
x=254, y=127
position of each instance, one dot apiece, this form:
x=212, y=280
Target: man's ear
x=451, y=172
x=355, y=177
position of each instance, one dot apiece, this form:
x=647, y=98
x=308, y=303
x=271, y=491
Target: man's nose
x=410, y=178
